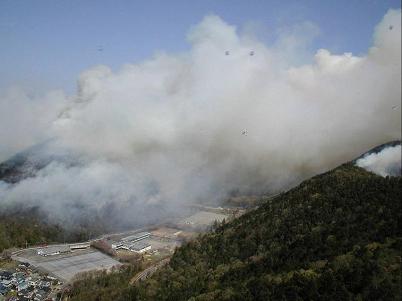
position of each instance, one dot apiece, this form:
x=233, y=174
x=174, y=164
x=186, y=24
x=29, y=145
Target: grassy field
x=8, y=264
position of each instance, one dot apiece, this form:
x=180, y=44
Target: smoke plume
x=385, y=163
x=231, y=114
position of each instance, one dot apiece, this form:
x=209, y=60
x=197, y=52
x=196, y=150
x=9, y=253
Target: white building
x=53, y=250
x=124, y=242
x=79, y=246
x=137, y=237
x=139, y=247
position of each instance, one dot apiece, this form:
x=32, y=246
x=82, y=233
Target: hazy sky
x=46, y=44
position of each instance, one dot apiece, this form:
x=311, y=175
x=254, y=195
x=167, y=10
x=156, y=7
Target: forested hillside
x=21, y=227
x=336, y=236
x=18, y=229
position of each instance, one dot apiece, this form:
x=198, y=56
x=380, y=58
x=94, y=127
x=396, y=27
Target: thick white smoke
x=385, y=163
x=170, y=130
x=25, y=120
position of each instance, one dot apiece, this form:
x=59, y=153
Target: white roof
x=136, y=236
x=139, y=245
x=54, y=250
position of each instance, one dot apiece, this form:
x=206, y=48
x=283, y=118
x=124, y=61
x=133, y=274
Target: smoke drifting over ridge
x=385, y=163
x=168, y=131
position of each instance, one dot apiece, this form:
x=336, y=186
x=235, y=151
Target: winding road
x=148, y=272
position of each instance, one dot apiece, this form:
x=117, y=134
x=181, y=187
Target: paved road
x=149, y=271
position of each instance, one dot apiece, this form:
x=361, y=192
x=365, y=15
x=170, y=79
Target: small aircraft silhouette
x=394, y=107
x=244, y=132
x=227, y=52
x=391, y=27
x=100, y=48
x=251, y=53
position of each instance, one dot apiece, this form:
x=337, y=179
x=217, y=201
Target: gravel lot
x=66, y=266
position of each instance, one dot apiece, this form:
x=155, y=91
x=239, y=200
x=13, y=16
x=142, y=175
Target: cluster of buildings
x=25, y=284
x=137, y=243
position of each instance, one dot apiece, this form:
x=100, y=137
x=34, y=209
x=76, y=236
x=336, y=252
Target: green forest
x=28, y=227
x=21, y=229
x=336, y=236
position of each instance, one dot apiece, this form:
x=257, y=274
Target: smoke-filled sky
x=199, y=124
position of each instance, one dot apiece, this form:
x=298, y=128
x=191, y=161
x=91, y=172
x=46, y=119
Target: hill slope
x=23, y=227
x=336, y=236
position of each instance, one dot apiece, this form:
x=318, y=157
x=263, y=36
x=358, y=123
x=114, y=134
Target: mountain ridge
x=336, y=236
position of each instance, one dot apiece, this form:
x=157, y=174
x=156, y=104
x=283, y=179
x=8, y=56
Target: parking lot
x=66, y=266
x=201, y=220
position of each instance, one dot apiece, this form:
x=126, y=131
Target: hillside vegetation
x=21, y=227
x=18, y=229
x=336, y=236
x=101, y=285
